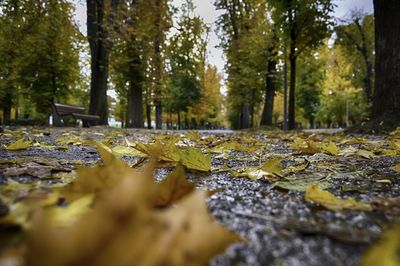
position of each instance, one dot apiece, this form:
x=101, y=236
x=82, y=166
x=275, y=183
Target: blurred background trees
x=146, y=63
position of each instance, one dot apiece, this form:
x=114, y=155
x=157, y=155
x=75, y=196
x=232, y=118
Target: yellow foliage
x=125, y=228
x=20, y=144
x=316, y=194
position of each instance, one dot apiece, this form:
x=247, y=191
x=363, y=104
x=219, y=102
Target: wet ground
x=280, y=227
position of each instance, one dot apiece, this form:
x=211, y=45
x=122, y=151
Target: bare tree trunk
x=179, y=120
x=386, y=102
x=148, y=115
x=158, y=65
x=244, y=120
x=100, y=47
x=266, y=119
x=135, y=106
x=7, y=115
x=292, y=87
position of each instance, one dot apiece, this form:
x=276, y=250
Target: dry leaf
x=316, y=194
x=331, y=148
x=20, y=144
x=386, y=251
x=124, y=227
x=173, y=188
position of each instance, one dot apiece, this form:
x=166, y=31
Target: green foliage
x=186, y=60
x=42, y=44
x=356, y=35
x=309, y=85
x=247, y=36
x=339, y=92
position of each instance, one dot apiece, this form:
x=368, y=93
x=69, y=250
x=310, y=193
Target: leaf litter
x=283, y=167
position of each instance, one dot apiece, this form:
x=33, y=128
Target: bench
x=61, y=112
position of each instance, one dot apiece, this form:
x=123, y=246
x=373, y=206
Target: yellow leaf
x=331, y=148
x=351, y=151
x=273, y=166
x=386, y=251
x=396, y=167
x=66, y=216
x=231, y=146
x=270, y=169
x=316, y=194
x=125, y=228
x=194, y=159
x=305, y=146
x=20, y=144
x=173, y=188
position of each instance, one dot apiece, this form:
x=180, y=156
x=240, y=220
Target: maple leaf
x=386, y=251
x=20, y=144
x=123, y=218
x=331, y=148
x=316, y=194
x=173, y=188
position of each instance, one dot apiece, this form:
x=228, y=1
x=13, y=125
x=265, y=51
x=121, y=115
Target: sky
x=206, y=10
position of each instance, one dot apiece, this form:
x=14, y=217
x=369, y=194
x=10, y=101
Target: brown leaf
x=173, y=188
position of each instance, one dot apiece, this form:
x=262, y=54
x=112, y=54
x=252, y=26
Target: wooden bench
x=61, y=112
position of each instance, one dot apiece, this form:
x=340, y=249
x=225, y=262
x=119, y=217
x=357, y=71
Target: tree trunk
x=158, y=65
x=292, y=90
x=311, y=121
x=148, y=115
x=244, y=119
x=100, y=47
x=135, y=106
x=386, y=102
x=179, y=120
x=266, y=119
x=7, y=114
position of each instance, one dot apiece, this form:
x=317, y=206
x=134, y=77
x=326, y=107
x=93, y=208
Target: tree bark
x=244, y=117
x=386, y=102
x=158, y=65
x=179, y=120
x=266, y=119
x=292, y=58
x=135, y=105
x=148, y=115
x=100, y=47
x=292, y=89
x=7, y=115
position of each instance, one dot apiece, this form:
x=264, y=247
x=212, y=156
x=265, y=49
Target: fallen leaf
x=396, y=167
x=386, y=251
x=301, y=184
x=194, y=159
x=124, y=228
x=316, y=194
x=331, y=148
x=173, y=188
x=20, y=144
x=351, y=151
x=273, y=166
x=305, y=146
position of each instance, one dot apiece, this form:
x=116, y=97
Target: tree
x=99, y=23
x=41, y=49
x=186, y=53
x=304, y=23
x=386, y=101
x=245, y=29
x=309, y=84
x=339, y=96
x=267, y=115
x=207, y=112
x=356, y=36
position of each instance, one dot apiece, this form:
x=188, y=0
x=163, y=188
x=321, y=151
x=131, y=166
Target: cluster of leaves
x=108, y=209
x=122, y=207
